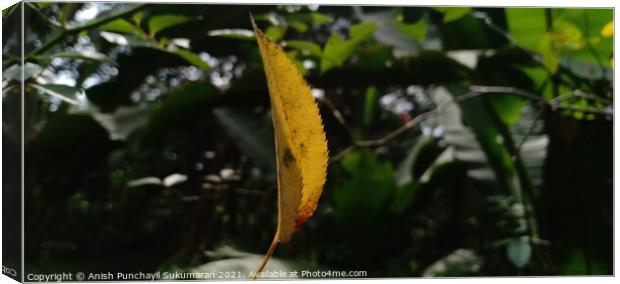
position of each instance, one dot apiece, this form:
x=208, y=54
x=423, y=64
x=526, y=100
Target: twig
x=476, y=91
x=530, y=130
x=553, y=104
x=535, y=57
x=501, y=89
x=369, y=143
x=399, y=131
x=43, y=16
x=384, y=140
x=580, y=94
x=341, y=154
x=76, y=30
x=338, y=115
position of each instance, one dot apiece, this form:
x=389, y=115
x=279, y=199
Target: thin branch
x=580, y=94
x=524, y=194
x=341, y=154
x=337, y=115
x=43, y=16
x=76, y=30
x=478, y=91
x=505, y=90
x=589, y=110
x=576, y=80
x=87, y=26
x=399, y=131
x=489, y=22
x=370, y=143
x=529, y=132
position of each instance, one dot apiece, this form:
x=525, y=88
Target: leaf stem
x=272, y=248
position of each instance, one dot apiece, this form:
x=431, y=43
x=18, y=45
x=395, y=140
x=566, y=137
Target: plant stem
x=554, y=104
x=272, y=248
x=93, y=24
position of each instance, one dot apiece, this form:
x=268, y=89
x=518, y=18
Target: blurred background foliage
x=463, y=141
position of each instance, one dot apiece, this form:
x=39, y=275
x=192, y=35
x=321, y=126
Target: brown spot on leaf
x=287, y=158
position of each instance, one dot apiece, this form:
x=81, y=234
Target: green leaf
x=403, y=197
x=527, y=26
x=130, y=40
x=233, y=33
x=275, y=33
x=574, y=261
x=540, y=79
x=168, y=181
x=477, y=145
x=311, y=18
x=394, y=32
x=15, y=71
x=451, y=14
x=337, y=50
x=124, y=121
x=75, y=55
x=137, y=18
x=122, y=26
x=508, y=107
x=519, y=252
x=161, y=22
x=461, y=262
x=366, y=195
x=299, y=26
x=415, y=30
x=567, y=35
x=307, y=46
x=550, y=55
x=374, y=57
x=144, y=181
x=590, y=22
x=192, y=58
x=65, y=93
x=370, y=103
x=173, y=180
x=362, y=31
x=405, y=170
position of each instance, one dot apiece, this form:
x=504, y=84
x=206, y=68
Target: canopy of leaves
x=463, y=141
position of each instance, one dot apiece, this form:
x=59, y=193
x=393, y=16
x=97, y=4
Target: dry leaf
x=301, y=146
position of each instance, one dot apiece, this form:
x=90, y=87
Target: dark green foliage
x=478, y=140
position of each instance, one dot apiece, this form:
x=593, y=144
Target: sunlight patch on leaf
x=65, y=93
x=233, y=33
x=159, y=23
x=337, y=50
x=451, y=14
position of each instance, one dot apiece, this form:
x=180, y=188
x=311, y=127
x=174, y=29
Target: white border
x=485, y=3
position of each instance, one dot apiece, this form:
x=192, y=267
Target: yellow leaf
x=301, y=146
x=608, y=29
